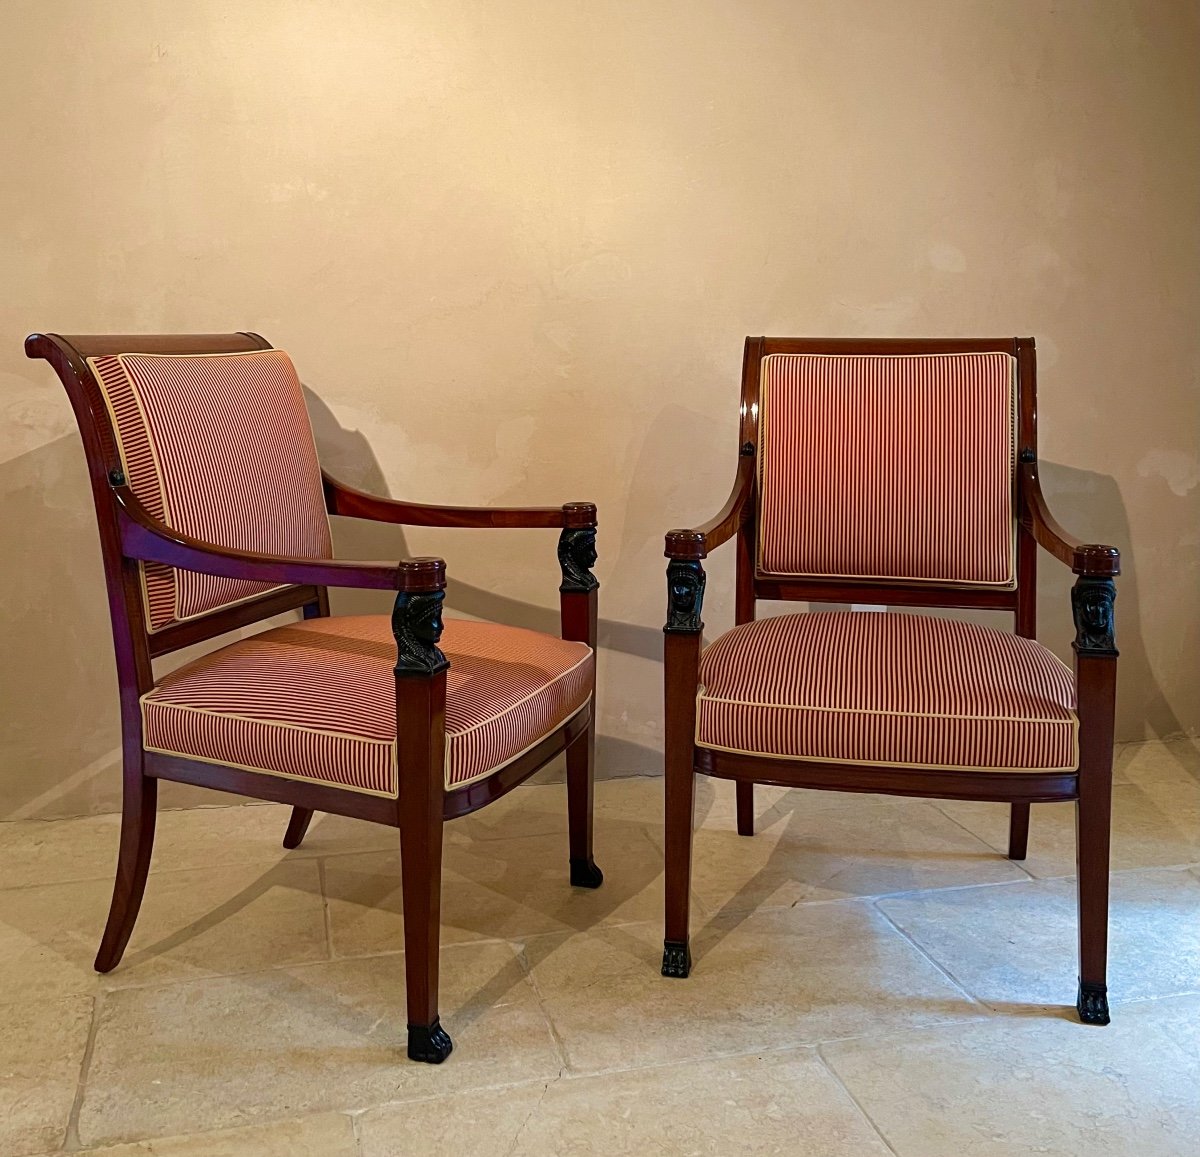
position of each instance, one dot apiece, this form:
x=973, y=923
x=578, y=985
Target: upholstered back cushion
x=219, y=447
x=890, y=467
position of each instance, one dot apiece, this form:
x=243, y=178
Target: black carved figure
x=576, y=557
x=1092, y=601
x=417, y=625
x=685, y=595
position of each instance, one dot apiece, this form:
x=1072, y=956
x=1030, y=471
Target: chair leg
x=1018, y=831
x=420, y=715
x=297, y=827
x=680, y=802
x=581, y=758
x=1093, y=818
x=682, y=653
x=745, y=809
x=138, y=812
x=421, y=885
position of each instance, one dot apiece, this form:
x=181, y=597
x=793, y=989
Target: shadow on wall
x=59, y=728
x=348, y=455
x=1090, y=506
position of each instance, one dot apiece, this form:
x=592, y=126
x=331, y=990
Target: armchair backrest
x=211, y=433
x=887, y=464
x=217, y=446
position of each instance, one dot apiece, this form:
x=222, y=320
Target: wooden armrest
x=1091, y=559
x=346, y=500
x=697, y=542
x=146, y=538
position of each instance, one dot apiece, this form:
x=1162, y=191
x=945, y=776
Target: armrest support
x=696, y=543
x=685, y=548
x=346, y=500
x=1086, y=559
x=146, y=538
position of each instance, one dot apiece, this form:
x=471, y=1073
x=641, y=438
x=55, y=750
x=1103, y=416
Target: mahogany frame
x=1095, y=566
x=130, y=535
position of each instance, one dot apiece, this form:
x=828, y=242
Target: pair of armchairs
x=888, y=472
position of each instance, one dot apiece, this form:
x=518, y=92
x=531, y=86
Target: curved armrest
x=144, y=537
x=346, y=500
x=696, y=543
x=1091, y=559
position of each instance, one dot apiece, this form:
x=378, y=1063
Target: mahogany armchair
x=899, y=473
x=213, y=514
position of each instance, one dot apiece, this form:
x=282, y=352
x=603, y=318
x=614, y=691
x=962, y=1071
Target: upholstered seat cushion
x=316, y=700
x=890, y=690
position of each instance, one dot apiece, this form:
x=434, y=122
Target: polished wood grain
x=343, y=499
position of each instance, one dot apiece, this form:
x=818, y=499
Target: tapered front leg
x=578, y=599
x=1096, y=680
x=581, y=757
x=685, y=585
x=420, y=756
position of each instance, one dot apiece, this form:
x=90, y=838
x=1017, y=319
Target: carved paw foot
x=585, y=874
x=1093, y=1003
x=429, y=1043
x=677, y=958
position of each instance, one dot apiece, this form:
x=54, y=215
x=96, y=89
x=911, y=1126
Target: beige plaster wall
x=514, y=249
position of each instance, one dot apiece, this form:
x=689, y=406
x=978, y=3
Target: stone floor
x=871, y=977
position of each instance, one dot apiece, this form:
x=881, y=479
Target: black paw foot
x=429, y=1043
x=585, y=874
x=1093, y=1003
x=677, y=958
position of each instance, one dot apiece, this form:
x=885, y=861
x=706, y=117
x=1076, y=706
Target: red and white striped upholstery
x=217, y=446
x=888, y=467
x=316, y=700
x=888, y=689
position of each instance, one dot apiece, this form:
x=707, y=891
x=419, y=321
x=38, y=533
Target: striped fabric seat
x=316, y=700
x=217, y=446
x=888, y=690
x=888, y=467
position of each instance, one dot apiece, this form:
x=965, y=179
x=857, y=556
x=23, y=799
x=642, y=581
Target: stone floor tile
x=1135, y=762
x=231, y=1051
x=1015, y=1086
x=63, y=851
x=503, y=889
x=324, y=1135
x=216, y=920
x=1016, y=944
x=1155, y=823
x=771, y=979
x=42, y=1043
x=781, y=1103
x=807, y=848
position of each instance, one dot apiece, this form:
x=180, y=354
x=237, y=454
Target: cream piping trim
x=1009, y=583
x=281, y=774
x=512, y=758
